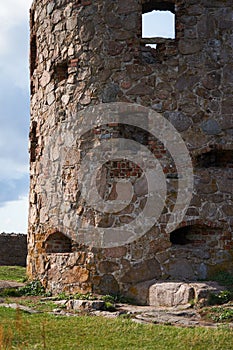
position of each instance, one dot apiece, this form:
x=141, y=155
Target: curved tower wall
x=84, y=53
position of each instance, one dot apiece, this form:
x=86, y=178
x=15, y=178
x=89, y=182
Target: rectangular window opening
x=158, y=22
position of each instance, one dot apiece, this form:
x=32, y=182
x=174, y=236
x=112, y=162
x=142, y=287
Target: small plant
x=225, y=315
x=33, y=288
x=77, y=296
x=219, y=314
x=221, y=298
x=61, y=296
x=108, y=306
x=109, y=298
x=193, y=302
x=88, y=296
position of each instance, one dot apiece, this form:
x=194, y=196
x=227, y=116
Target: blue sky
x=14, y=107
x=14, y=115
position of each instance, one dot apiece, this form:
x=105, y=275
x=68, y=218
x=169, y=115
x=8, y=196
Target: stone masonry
x=13, y=249
x=86, y=53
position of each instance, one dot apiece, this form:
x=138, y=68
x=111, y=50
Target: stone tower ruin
x=91, y=53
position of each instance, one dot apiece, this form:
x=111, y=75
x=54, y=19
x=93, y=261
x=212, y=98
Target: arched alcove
x=58, y=243
x=180, y=236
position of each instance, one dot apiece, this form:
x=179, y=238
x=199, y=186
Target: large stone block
x=170, y=294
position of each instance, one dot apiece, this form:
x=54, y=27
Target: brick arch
x=213, y=155
x=200, y=222
x=57, y=242
x=196, y=232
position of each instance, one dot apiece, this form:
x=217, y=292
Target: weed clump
x=221, y=298
x=33, y=288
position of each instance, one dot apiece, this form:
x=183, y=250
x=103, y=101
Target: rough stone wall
x=89, y=52
x=13, y=249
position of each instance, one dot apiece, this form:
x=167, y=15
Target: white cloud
x=14, y=114
x=12, y=169
x=13, y=216
x=13, y=13
x=14, y=41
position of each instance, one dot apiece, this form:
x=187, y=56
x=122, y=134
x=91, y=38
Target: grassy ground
x=42, y=331
x=23, y=331
x=13, y=273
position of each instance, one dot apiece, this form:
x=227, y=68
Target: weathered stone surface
x=170, y=294
x=186, y=81
x=180, y=121
x=181, y=269
x=108, y=285
x=228, y=210
x=182, y=315
x=143, y=271
x=227, y=106
x=85, y=305
x=130, y=6
x=141, y=89
x=10, y=284
x=188, y=47
x=139, y=292
x=76, y=274
x=87, y=31
x=212, y=80
x=110, y=93
x=65, y=99
x=114, y=48
x=16, y=244
x=71, y=24
x=50, y=7
x=45, y=79
x=141, y=186
x=50, y=98
x=203, y=290
x=228, y=74
x=211, y=127
x=116, y=252
x=108, y=266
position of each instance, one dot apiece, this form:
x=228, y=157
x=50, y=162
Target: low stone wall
x=13, y=249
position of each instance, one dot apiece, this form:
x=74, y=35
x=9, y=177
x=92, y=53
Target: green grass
x=23, y=331
x=13, y=273
x=40, y=331
x=34, y=303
